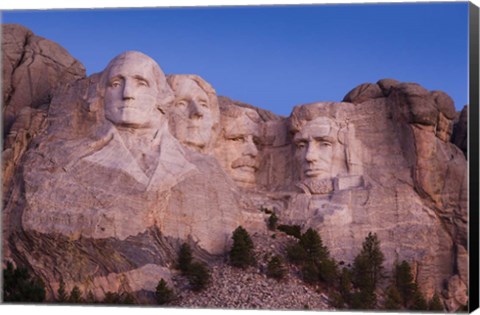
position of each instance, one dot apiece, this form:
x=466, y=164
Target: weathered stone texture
x=460, y=131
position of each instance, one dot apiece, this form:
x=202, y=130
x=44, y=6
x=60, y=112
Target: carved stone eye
x=181, y=103
x=142, y=83
x=238, y=139
x=115, y=84
x=301, y=144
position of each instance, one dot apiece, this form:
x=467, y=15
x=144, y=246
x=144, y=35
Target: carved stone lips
x=246, y=164
x=128, y=106
x=313, y=172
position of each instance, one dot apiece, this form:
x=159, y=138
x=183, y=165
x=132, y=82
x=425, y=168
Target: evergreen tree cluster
x=313, y=258
x=163, y=293
x=196, y=272
x=403, y=292
x=272, y=222
x=76, y=297
x=242, y=252
x=366, y=273
x=20, y=286
x=276, y=268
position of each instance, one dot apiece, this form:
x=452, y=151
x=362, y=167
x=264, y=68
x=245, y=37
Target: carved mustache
x=245, y=161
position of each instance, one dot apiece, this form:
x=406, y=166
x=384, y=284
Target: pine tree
x=111, y=298
x=61, y=293
x=296, y=254
x=184, y=258
x=394, y=299
x=75, y=295
x=328, y=270
x=272, y=221
x=435, y=303
x=368, y=265
x=90, y=299
x=276, y=268
x=419, y=302
x=163, y=293
x=241, y=253
x=404, y=282
x=198, y=276
x=345, y=285
x=363, y=300
x=312, y=244
x=310, y=272
x=367, y=270
x=20, y=286
x=127, y=298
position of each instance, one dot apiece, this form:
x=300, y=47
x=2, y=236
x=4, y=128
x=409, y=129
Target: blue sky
x=276, y=57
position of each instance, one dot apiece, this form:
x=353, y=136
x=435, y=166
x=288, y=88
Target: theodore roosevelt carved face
x=195, y=114
x=238, y=151
x=134, y=91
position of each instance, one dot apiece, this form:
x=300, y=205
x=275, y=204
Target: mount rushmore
x=105, y=176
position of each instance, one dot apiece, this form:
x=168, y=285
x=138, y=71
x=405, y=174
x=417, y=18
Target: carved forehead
x=320, y=127
x=187, y=86
x=310, y=112
x=133, y=65
x=176, y=80
x=241, y=121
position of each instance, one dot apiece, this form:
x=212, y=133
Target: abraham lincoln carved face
x=314, y=148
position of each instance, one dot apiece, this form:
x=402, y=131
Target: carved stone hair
x=165, y=95
x=234, y=111
x=301, y=115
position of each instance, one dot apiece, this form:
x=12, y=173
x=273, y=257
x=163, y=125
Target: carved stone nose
x=128, y=91
x=251, y=148
x=194, y=110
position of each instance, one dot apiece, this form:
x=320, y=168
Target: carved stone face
x=314, y=149
x=239, y=154
x=192, y=118
x=131, y=94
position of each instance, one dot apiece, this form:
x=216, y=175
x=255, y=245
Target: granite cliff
x=101, y=194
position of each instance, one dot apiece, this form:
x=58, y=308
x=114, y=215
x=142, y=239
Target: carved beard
x=316, y=186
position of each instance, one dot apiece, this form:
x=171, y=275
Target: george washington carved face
x=134, y=89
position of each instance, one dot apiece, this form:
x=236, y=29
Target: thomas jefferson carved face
x=192, y=117
x=131, y=93
x=314, y=148
x=239, y=154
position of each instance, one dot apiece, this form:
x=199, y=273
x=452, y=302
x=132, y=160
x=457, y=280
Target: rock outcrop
x=32, y=68
x=117, y=170
x=460, y=131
